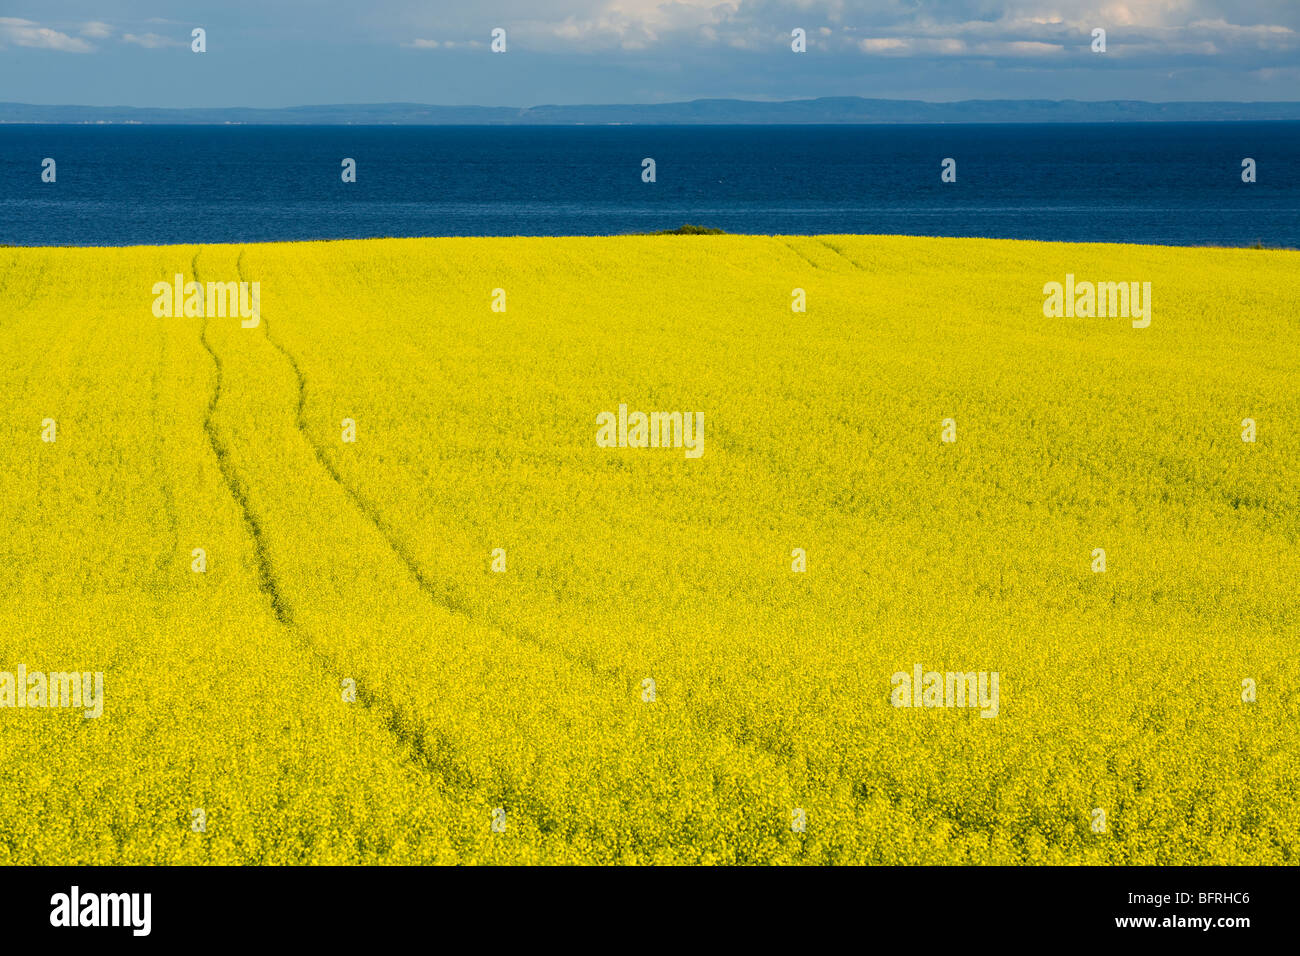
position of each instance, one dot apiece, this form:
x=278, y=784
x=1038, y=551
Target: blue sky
x=289, y=52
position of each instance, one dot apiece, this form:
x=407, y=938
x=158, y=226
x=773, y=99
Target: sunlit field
x=365, y=583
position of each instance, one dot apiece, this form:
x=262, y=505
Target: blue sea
x=1177, y=184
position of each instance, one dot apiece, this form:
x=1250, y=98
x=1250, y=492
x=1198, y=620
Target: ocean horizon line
x=837, y=110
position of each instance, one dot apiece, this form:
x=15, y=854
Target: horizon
x=613, y=103
x=702, y=111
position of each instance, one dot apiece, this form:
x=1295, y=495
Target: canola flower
x=365, y=587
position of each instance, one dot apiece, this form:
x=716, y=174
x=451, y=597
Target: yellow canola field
x=643, y=677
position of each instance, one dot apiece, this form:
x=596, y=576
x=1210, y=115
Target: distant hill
x=838, y=109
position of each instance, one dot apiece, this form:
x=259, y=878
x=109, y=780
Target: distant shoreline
x=824, y=111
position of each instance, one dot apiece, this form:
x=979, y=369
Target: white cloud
x=96, y=30
x=1014, y=29
x=151, y=41
x=421, y=44
x=1136, y=29
x=640, y=25
x=31, y=34
x=883, y=44
x=1019, y=48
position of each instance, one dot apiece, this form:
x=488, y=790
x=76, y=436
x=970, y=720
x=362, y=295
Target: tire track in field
x=428, y=748
x=853, y=262
x=713, y=720
x=541, y=814
x=393, y=720
x=517, y=798
x=265, y=572
x=791, y=246
x=440, y=596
